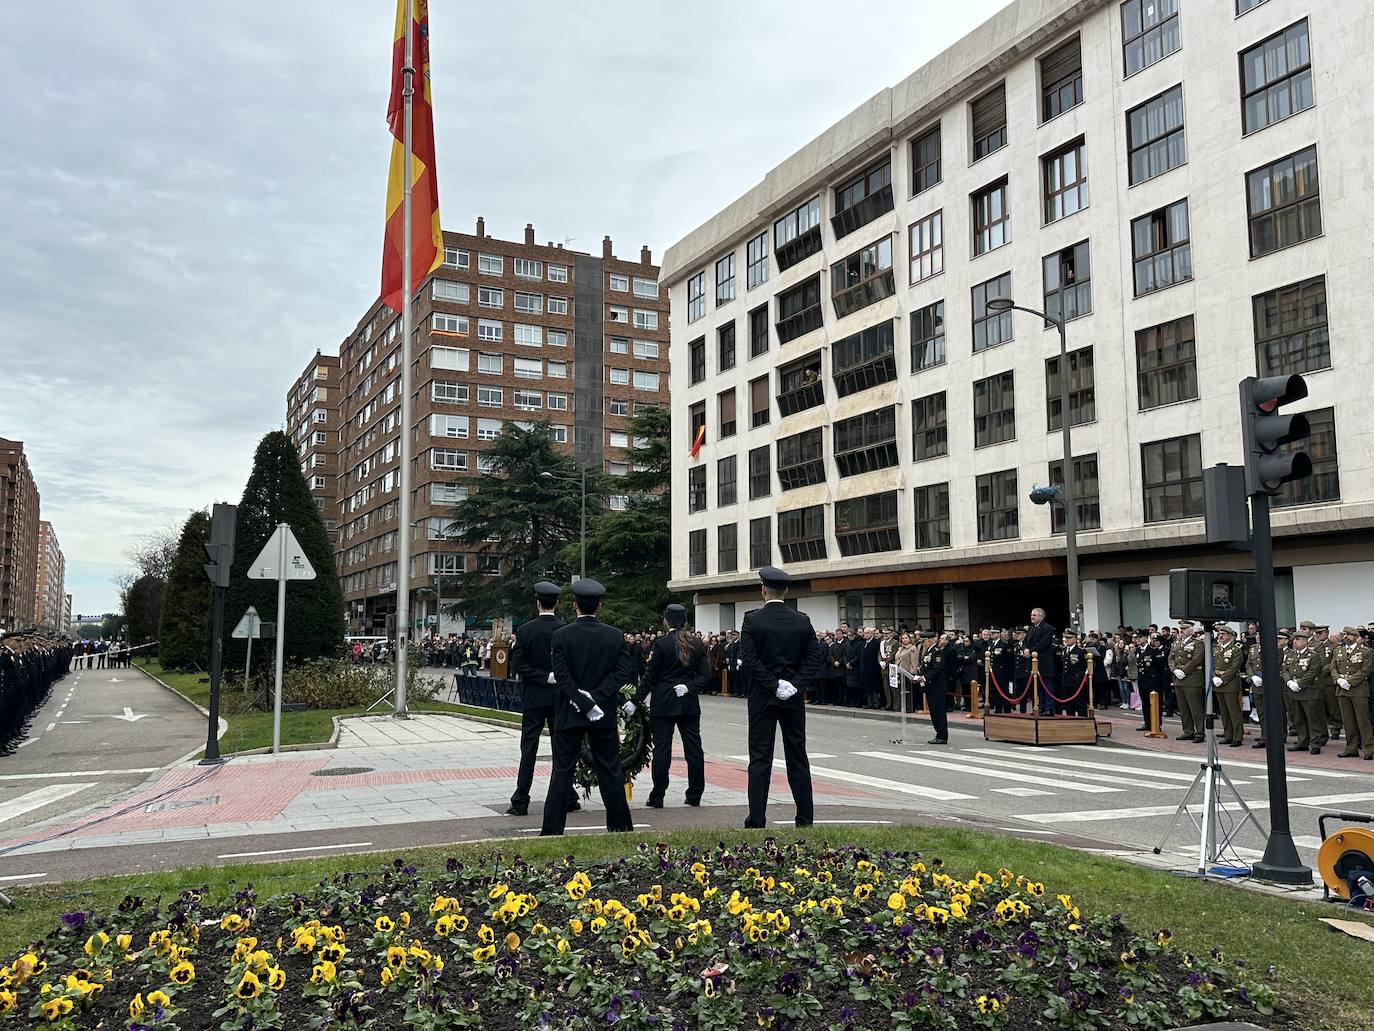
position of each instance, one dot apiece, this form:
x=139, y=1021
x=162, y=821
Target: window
x=489, y=397
x=991, y=327
x=1324, y=484
x=489, y=297
x=452, y=393
x=925, y=160
x=444, y=323
x=526, y=268
x=614, y=313
x=1284, y=203
x=1082, y=393
x=455, y=257
x=927, y=247
x=760, y=543
x=529, y=336
x=991, y=217
x=443, y=290
x=646, y=319
x=646, y=349
x=696, y=360
x=998, y=515
x=1161, y=248
x=928, y=337
x=489, y=564
x=454, y=358
x=1066, y=181
x=1171, y=472
x=321, y=437
x=1166, y=363
x=1246, y=5
x=1291, y=333
x=797, y=235
x=447, y=562
x=725, y=349
x=446, y=493
x=696, y=297
x=490, y=264
x=441, y=528
x=696, y=423
x=866, y=442
x=557, y=337
x=801, y=460
x=994, y=409
x=1276, y=78
x=558, y=305
x=863, y=278
x=448, y=426
x=528, y=400
x=862, y=198
x=726, y=412
x=1061, y=79
x=799, y=310
x=760, y=474
x=756, y=260
x=620, y=469
x=932, y=516
x=696, y=553
x=1155, y=136
x=929, y=429
x=620, y=282
x=865, y=359
x=867, y=525
x=800, y=386
x=488, y=429
x=696, y=489
x=1068, y=283
x=1149, y=30
x=317, y=482
x=618, y=377
x=445, y=458
x=989, y=117
x=557, y=370
x=758, y=331
x=618, y=502
x=1085, y=494
x=801, y=534
x=488, y=329
x=619, y=345
x=645, y=287
x=492, y=364
x=618, y=406
x=727, y=548
x=558, y=273
x=529, y=302
x=725, y=279
x=726, y=491
x=646, y=381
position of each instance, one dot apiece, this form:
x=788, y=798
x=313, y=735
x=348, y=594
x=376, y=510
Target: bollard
x=724, y=683
x=973, y=713
x=1154, y=716
x=629, y=791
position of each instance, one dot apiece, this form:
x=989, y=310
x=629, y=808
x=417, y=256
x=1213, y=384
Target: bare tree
x=152, y=556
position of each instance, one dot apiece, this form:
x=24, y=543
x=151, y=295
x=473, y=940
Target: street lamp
x=568, y=479
x=1040, y=495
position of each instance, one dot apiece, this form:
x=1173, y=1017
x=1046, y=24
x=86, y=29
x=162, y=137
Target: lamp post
x=1069, y=495
x=568, y=479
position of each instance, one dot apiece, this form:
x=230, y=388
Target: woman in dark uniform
x=674, y=676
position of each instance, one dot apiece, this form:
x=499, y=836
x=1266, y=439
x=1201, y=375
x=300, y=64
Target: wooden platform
x=1028, y=729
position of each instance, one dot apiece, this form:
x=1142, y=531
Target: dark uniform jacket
x=1003, y=654
x=1043, y=639
x=532, y=660
x=1228, y=666
x=591, y=656
x=777, y=642
x=1073, y=661
x=1154, y=669
x=933, y=667
x=664, y=671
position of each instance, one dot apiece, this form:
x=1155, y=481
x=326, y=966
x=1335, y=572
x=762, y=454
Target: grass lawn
x=1323, y=975
x=310, y=726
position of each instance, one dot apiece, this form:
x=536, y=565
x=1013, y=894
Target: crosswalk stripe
x=1323, y=800
x=1115, y=781
x=1097, y=815
x=992, y=774
x=1023, y=792
x=1050, y=757
x=37, y=799
x=919, y=790
x=1238, y=764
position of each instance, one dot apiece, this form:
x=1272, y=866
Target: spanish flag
x=426, y=240
x=700, y=439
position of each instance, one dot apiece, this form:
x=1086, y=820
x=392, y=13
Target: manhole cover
x=181, y=803
x=341, y=771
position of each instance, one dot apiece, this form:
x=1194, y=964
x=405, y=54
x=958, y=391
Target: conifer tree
x=184, y=629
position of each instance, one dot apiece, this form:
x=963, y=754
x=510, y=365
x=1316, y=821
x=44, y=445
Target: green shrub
x=341, y=684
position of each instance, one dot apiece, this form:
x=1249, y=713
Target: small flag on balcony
x=700, y=440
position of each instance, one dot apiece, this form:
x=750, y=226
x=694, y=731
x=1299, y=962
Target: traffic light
x=1264, y=430
x=220, y=550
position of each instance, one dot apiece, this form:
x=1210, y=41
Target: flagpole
x=403, y=522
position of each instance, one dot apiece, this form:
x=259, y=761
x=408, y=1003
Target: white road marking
x=1325, y=800
x=837, y=823
x=22, y=876
x=1105, y=778
x=1022, y=792
x=991, y=774
x=72, y=723
x=1194, y=760
x=601, y=830
x=919, y=790
x=810, y=755
x=285, y=851
x=1139, y=812
x=1050, y=757
x=25, y=744
x=49, y=728
x=37, y=799
x=1307, y=841
x=77, y=773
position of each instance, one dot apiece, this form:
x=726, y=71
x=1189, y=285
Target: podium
x=1032, y=728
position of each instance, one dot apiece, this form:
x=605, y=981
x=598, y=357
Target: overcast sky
x=192, y=195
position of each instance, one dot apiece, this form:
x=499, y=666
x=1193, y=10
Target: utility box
x=1225, y=505
x=1213, y=595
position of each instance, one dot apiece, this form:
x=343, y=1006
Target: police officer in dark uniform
x=1073, y=665
x=531, y=659
x=1003, y=654
x=674, y=677
x=780, y=656
x=591, y=663
x=932, y=675
x=1154, y=674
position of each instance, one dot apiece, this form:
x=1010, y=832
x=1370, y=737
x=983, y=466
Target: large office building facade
x=312, y=423
x=1186, y=181
x=19, y=502
x=50, y=594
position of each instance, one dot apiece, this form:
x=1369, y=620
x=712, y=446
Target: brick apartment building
x=50, y=582
x=505, y=332
x=312, y=423
x=19, y=556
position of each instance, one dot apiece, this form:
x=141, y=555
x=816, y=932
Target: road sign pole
x=212, y=756
x=248, y=665
x=282, y=531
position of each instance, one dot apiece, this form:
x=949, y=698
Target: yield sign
x=269, y=564
x=249, y=625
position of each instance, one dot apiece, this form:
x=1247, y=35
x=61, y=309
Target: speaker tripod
x=1213, y=842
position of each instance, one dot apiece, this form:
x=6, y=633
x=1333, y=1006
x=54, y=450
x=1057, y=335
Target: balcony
x=803, y=322
x=861, y=295
x=798, y=248
x=864, y=360
x=862, y=213
x=800, y=386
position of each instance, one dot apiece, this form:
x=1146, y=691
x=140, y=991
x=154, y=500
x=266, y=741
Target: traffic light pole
x=212, y=757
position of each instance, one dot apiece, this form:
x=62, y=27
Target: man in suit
x=674, y=677
x=531, y=659
x=591, y=663
x=780, y=655
x=1042, y=640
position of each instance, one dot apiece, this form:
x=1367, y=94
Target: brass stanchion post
x=1154, y=716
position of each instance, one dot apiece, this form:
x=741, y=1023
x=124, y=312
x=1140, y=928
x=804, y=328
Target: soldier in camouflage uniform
x=1228, y=665
x=1301, y=674
x=1351, y=664
x=1185, y=661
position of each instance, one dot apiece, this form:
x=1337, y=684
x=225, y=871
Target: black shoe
x=1143, y=726
x=1297, y=748
x=753, y=824
x=938, y=741
x=693, y=802
x=653, y=803
x=1346, y=755
x=803, y=823
x=574, y=806
x=516, y=810
x=1184, y=737
x=1315, y=751
x=1197, y=739
x=1258, y=744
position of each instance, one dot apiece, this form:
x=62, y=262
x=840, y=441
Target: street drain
x=341, y=771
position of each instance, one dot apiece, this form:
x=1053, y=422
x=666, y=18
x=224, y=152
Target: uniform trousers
x=1232, y=722
x=1190, y=709
x=604, y=745
x=764, y=723
x=1359, y=736
x=689, y=728
x=936, y=698
x=1332, y=706
x=532, y=722
x=1309, y=719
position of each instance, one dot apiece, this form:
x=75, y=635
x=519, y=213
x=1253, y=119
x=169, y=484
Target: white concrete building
x=1189, y=179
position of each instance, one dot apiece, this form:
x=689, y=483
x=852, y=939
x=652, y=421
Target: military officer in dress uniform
x=780, y=655
x=1185, y=661
x=1002, y=654
x=673, y=679
x=1351, y=665
x=1155, y=678
x=1228, y=671
x=1073, y=666
x=1326, y=648
x=531, y=659
x=933, y=677
x=1021, y=670
x=1257, y=681
x=1301, y=673
x=591, y=663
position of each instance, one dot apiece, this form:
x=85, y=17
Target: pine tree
x=142, y=605
x=184, y=630
x=277, y=493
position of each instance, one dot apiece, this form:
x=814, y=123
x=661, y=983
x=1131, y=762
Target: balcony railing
x=861, y=295
x=798, y=248
x=862, y=213
x=805, y=321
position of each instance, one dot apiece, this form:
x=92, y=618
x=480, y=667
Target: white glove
x=1257, y=680
x=1293, y=686
x=1178, y=674
x=1344, y=684
x=680, y=690
x=551, y=679
x=628, y=708
x=785, y=690
x=595, y=714
x=739, y=664
x=1216, y=681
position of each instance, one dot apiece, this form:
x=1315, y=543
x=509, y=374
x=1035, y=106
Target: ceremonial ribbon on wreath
x=1063, y=701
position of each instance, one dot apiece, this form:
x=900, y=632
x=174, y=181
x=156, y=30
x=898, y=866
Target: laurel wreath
x=635, y=746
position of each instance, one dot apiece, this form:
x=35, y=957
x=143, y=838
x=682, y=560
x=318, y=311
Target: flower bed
x=766, y=935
